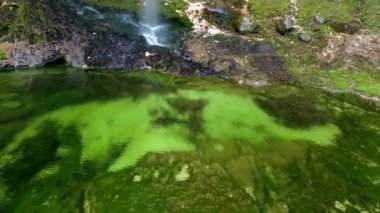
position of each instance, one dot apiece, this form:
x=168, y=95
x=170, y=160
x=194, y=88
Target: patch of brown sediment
x=295, y=111
x=234, y=56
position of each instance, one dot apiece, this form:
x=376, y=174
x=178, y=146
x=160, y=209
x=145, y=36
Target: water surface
x=72, y=141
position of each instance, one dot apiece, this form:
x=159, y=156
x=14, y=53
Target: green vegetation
x=370, y=14
x=343, y=78
x=263, y=9
x=339, y=11
x=110, y=141
x=128, y=5
x=128, y=123
x=2, y=55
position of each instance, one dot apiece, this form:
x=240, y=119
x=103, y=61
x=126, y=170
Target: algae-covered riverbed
x=72, y=141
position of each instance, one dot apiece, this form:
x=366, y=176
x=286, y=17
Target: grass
x=342, y=78
x=341, y=11
x=129, y=5
x=370, y=14
x=269, y=8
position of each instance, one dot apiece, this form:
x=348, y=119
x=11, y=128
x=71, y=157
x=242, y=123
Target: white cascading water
x=84, y=9
x=150, y=27
x=153, y=31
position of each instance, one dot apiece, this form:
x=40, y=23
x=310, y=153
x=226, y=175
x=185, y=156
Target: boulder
x=25, y=55
x=305, y=36
x=318, y=19
x=247, y=26
x=284, y=25
x=353, y=50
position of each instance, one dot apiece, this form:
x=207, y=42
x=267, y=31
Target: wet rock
x=247, y=25
x=26, y=55
x=352, y=50
x=305, y=36
x=112, y=51
x=284, y=25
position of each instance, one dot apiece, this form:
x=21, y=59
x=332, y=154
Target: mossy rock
x=38, y=20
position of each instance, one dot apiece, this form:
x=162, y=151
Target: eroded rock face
x=353, y=50
x=26, y=55
x=111, y=51
x=235, y=56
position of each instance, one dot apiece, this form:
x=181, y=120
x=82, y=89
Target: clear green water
x=146, y=142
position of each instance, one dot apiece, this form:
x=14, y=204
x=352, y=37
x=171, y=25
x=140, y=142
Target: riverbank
x=251, y=42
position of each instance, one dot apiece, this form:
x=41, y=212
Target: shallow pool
x=74, y=141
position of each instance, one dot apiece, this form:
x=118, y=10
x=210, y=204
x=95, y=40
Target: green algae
x=370, y=14
x=364, y=82
x=235, y=150
x=243, y=120
x=127, y=122
x=116, y=123
x=3, y=193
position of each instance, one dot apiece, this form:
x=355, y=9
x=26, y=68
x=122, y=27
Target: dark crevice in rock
x=57, y=62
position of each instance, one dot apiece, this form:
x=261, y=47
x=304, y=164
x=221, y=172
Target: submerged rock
x=183, y=175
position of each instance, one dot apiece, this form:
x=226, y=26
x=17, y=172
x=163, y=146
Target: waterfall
x=154, y=32
x=149, y=26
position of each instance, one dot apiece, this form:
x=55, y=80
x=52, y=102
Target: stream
x=144, y=141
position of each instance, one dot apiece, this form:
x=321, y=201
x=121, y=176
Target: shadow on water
x=143, y=141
